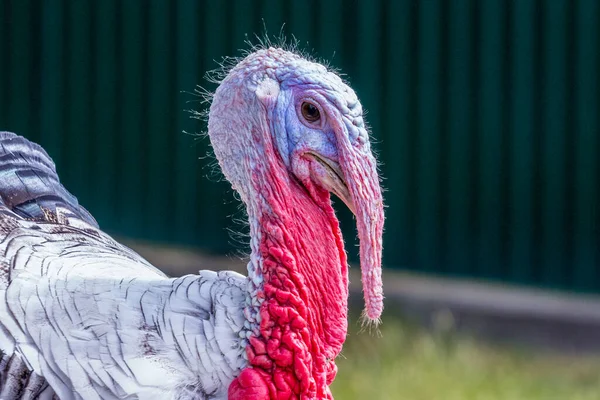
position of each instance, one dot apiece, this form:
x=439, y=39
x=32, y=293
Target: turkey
x=84, y=317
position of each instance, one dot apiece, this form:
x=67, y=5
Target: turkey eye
x=310, y=112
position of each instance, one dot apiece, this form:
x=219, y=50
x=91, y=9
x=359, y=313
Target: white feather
x=98, y=322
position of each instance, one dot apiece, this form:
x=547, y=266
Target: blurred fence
x=485, y=112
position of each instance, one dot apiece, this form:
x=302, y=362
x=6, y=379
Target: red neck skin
x=304, y=312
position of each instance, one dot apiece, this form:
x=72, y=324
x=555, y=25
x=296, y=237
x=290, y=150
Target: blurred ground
x=446, y=339
x=409, y=363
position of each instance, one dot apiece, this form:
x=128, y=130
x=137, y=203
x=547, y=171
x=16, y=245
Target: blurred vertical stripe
x=460, y=107
x=187, y=76
x=586, y=132
x=428, y=143
x=490, y=130
x=523, y=64
x=104, y=125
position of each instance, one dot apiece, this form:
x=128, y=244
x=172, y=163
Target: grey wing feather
x=29, y=185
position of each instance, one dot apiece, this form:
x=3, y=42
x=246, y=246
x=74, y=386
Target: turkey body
x=83, y=317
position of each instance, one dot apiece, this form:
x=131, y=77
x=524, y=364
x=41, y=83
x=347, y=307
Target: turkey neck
x=297, y=244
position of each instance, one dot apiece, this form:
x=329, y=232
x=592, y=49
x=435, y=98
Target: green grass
x=407, y=363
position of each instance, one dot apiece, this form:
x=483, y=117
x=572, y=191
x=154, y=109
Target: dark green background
x=485, y=115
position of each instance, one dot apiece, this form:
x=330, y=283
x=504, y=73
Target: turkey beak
x=362, y=193
x=333, y=180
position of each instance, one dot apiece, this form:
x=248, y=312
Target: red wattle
x=250, y=384
x=304, y=312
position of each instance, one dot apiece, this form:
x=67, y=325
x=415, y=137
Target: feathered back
x=29, y=185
